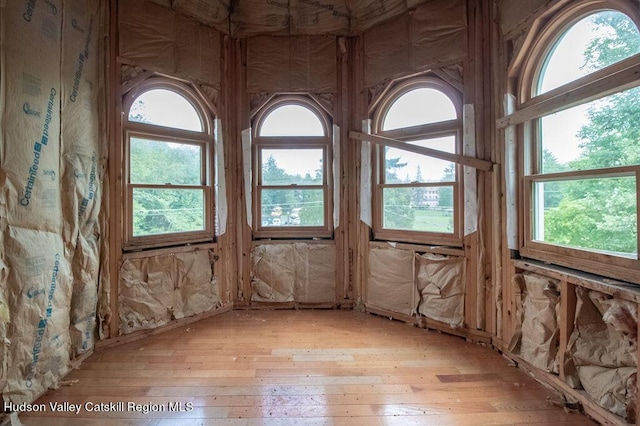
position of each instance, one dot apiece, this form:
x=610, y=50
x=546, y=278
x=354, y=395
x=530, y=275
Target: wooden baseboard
x=137, y=335
x=391, y=315
x=554, y=382
x=291, y=305
x=476, y=336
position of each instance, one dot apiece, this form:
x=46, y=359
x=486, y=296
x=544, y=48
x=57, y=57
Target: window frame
x=532, y=108
x=420, y=132
x=260, y=143
x=204, y=139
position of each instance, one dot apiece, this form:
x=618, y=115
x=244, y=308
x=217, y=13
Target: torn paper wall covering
x=196, y=288
x=612, y=388
x=296, y=272
x=39, y=287
x=603, y=351
x=440, y=283
x=272, y=273
x=540, y=332
x=390, y=283
x=155, y=290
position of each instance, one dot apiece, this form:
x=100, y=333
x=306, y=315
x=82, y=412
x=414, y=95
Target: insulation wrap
x=297, y=272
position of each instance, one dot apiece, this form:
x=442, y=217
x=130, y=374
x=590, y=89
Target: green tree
x=445, y=193
x=280, y=203
x=601, y=213
x=418, y=193
x=552, y=190
x=397, y=212
x=165, y=210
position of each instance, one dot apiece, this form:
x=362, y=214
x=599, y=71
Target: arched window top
x=291, y=119
x=574, y=51
x=165, y=107
x=422, y=105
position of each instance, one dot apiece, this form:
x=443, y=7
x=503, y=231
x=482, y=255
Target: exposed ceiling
x=295, y=17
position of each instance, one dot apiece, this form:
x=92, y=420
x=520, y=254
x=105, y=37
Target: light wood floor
x=304, y=368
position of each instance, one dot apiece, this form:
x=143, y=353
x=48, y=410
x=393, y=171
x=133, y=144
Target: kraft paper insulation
x=83, y=161
x=51, y=176
x=602, y=349
x=433, y=35
x=369, y=14
x=514, y=13
x=211, y=13
x=538, y=304
x=37, y=342
x=253, y=17
x=300, y=272
x=30, y=171
x=155, y=290
x=292, y=17
x=390, y=284
x=319, y=17
x=365, y=176
x=301, y=63
x=159, y=39
x=440, y=283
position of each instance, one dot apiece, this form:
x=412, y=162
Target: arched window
x=579, y=97
x=292, y=180
x=417, y=197
x=167, y=147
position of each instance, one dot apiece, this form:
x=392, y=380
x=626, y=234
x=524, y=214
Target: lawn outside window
x=418, y=198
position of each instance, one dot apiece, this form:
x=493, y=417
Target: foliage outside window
x=582, y=166
x=167, y=148
x=292, y=151
x=417, y=198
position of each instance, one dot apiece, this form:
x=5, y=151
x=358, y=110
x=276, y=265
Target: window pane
x=598, y=214
x=602, y=133
x=405, y=167
x=166, y=211
x=158, y=162
x=165, y=108
x=291, y=120
x=419, y=106
x=426, y=209
x=579, y=51
x=292, y=166
x=292, y=207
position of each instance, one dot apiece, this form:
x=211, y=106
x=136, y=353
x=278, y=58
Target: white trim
x=336, y=176
x=220, y=181
x=470, y=181
x=365, y=177
x=246, y=168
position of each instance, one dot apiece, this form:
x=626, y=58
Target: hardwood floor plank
x=334, y=368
